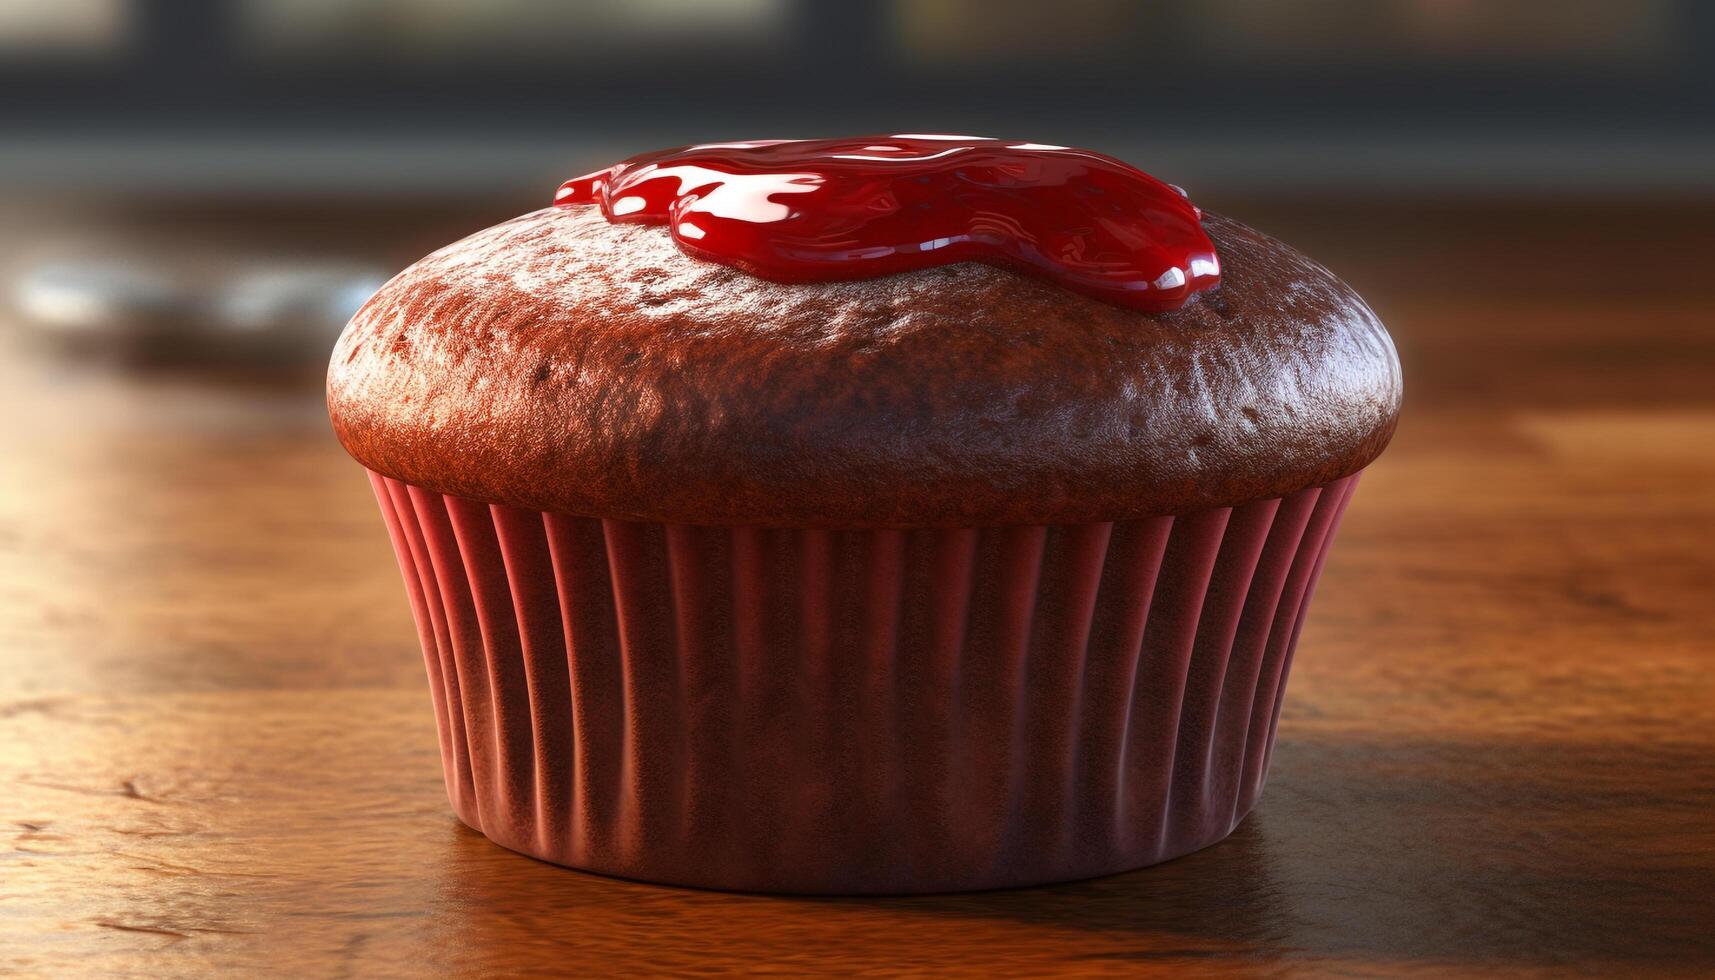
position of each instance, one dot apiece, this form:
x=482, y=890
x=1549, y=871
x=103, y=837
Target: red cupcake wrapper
x=874, y=711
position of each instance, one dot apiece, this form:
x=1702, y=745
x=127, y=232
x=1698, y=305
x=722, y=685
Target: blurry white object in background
x=98, y=299
x=273, y=313
x=311, y=300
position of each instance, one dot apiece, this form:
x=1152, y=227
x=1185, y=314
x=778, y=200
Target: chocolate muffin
x=949, y=576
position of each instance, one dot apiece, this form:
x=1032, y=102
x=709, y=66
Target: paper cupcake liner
x=874, y=711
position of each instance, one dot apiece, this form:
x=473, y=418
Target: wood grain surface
x=1497, y=755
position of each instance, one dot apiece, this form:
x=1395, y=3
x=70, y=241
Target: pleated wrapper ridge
x=856, y=712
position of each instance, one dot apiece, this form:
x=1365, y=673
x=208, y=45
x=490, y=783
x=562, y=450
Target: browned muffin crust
x=564, y=363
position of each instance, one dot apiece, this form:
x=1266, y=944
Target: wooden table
x=1497, y=756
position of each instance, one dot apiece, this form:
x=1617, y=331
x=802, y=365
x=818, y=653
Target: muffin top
x=564, y=362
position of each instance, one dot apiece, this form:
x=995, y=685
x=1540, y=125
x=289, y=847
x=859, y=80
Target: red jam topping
x=817, y=210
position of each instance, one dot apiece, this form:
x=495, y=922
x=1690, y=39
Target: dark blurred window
x=189, y=91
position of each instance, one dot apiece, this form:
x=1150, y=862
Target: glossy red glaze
x=819, y=210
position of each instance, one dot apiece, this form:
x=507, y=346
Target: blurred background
x=222, y=181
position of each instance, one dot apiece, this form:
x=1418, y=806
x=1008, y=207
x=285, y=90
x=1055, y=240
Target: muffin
x=967, y=569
